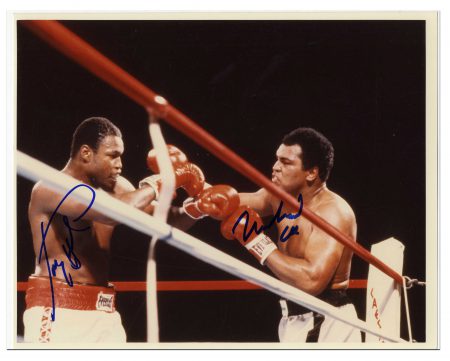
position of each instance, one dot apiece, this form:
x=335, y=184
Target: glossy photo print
x=226, y=181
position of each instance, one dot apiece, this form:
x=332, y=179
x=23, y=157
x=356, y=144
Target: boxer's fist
x=177, y=157
x=245, y=225
x=218, y=201
x=189, y=177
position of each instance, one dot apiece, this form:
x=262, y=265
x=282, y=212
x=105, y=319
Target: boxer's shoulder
x=123, y=185
x=332, y=205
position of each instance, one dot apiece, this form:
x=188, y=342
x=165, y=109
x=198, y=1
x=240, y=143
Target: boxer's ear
x=86, y=153
x=312, y=174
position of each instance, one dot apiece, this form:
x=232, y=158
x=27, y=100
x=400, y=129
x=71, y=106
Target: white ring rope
x=160, y=212
x=123, y=213
x=408, y=318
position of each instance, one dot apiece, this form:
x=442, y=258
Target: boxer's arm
x=45, y=200
x=139, y=198
x=315, y=270
x=176, y=216
x=179, y=219
x=259, y=201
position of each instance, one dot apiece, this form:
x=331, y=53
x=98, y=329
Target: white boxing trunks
x=83, y=313
x=296, y=325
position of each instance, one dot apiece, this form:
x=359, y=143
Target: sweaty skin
x=101, y=170
x=311, y=261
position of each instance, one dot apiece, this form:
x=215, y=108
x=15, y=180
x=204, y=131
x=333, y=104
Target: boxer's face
x=107, y=163
x=288, y=172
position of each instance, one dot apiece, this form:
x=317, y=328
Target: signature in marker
x=285, y=234
x=68, y=247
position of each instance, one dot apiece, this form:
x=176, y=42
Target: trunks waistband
x=336, y=298
x=77, y=297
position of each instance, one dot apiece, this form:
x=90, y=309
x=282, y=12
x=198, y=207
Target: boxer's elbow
x=314, y=288
x=312, y=282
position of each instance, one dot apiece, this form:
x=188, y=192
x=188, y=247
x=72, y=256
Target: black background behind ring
x=361, y=83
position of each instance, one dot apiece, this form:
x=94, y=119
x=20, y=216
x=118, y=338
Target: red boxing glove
x=177, y=157
x=218, y=201
x=189, y=177
x=245, y=225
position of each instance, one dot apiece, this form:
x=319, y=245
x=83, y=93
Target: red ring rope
x=233, y=285
x=81, y=52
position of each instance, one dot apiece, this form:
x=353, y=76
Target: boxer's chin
x=109, y=184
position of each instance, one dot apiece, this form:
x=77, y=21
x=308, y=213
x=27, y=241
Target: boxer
x=304, y=256
x=68, y=298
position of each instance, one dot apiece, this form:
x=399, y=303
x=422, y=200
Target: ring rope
x=87, y=56
x=410, y=282
x=117, y=210
x=182, y=286
x=160, y=212
x=408, y=318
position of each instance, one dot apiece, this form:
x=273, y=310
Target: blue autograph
x=68, y=247
x=278, y=217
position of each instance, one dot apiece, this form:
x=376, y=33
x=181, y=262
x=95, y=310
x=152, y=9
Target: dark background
x=361, y=83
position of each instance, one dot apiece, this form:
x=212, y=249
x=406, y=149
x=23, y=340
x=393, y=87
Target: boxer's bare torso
x=310, y=260
x=90, y=253
x=299, y=246
x=307, y=257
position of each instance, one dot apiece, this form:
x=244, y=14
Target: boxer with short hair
x=305, y=256
x=72, y=259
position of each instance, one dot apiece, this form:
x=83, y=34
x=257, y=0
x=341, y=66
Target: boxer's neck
x=310, y=193
x=76, y=170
